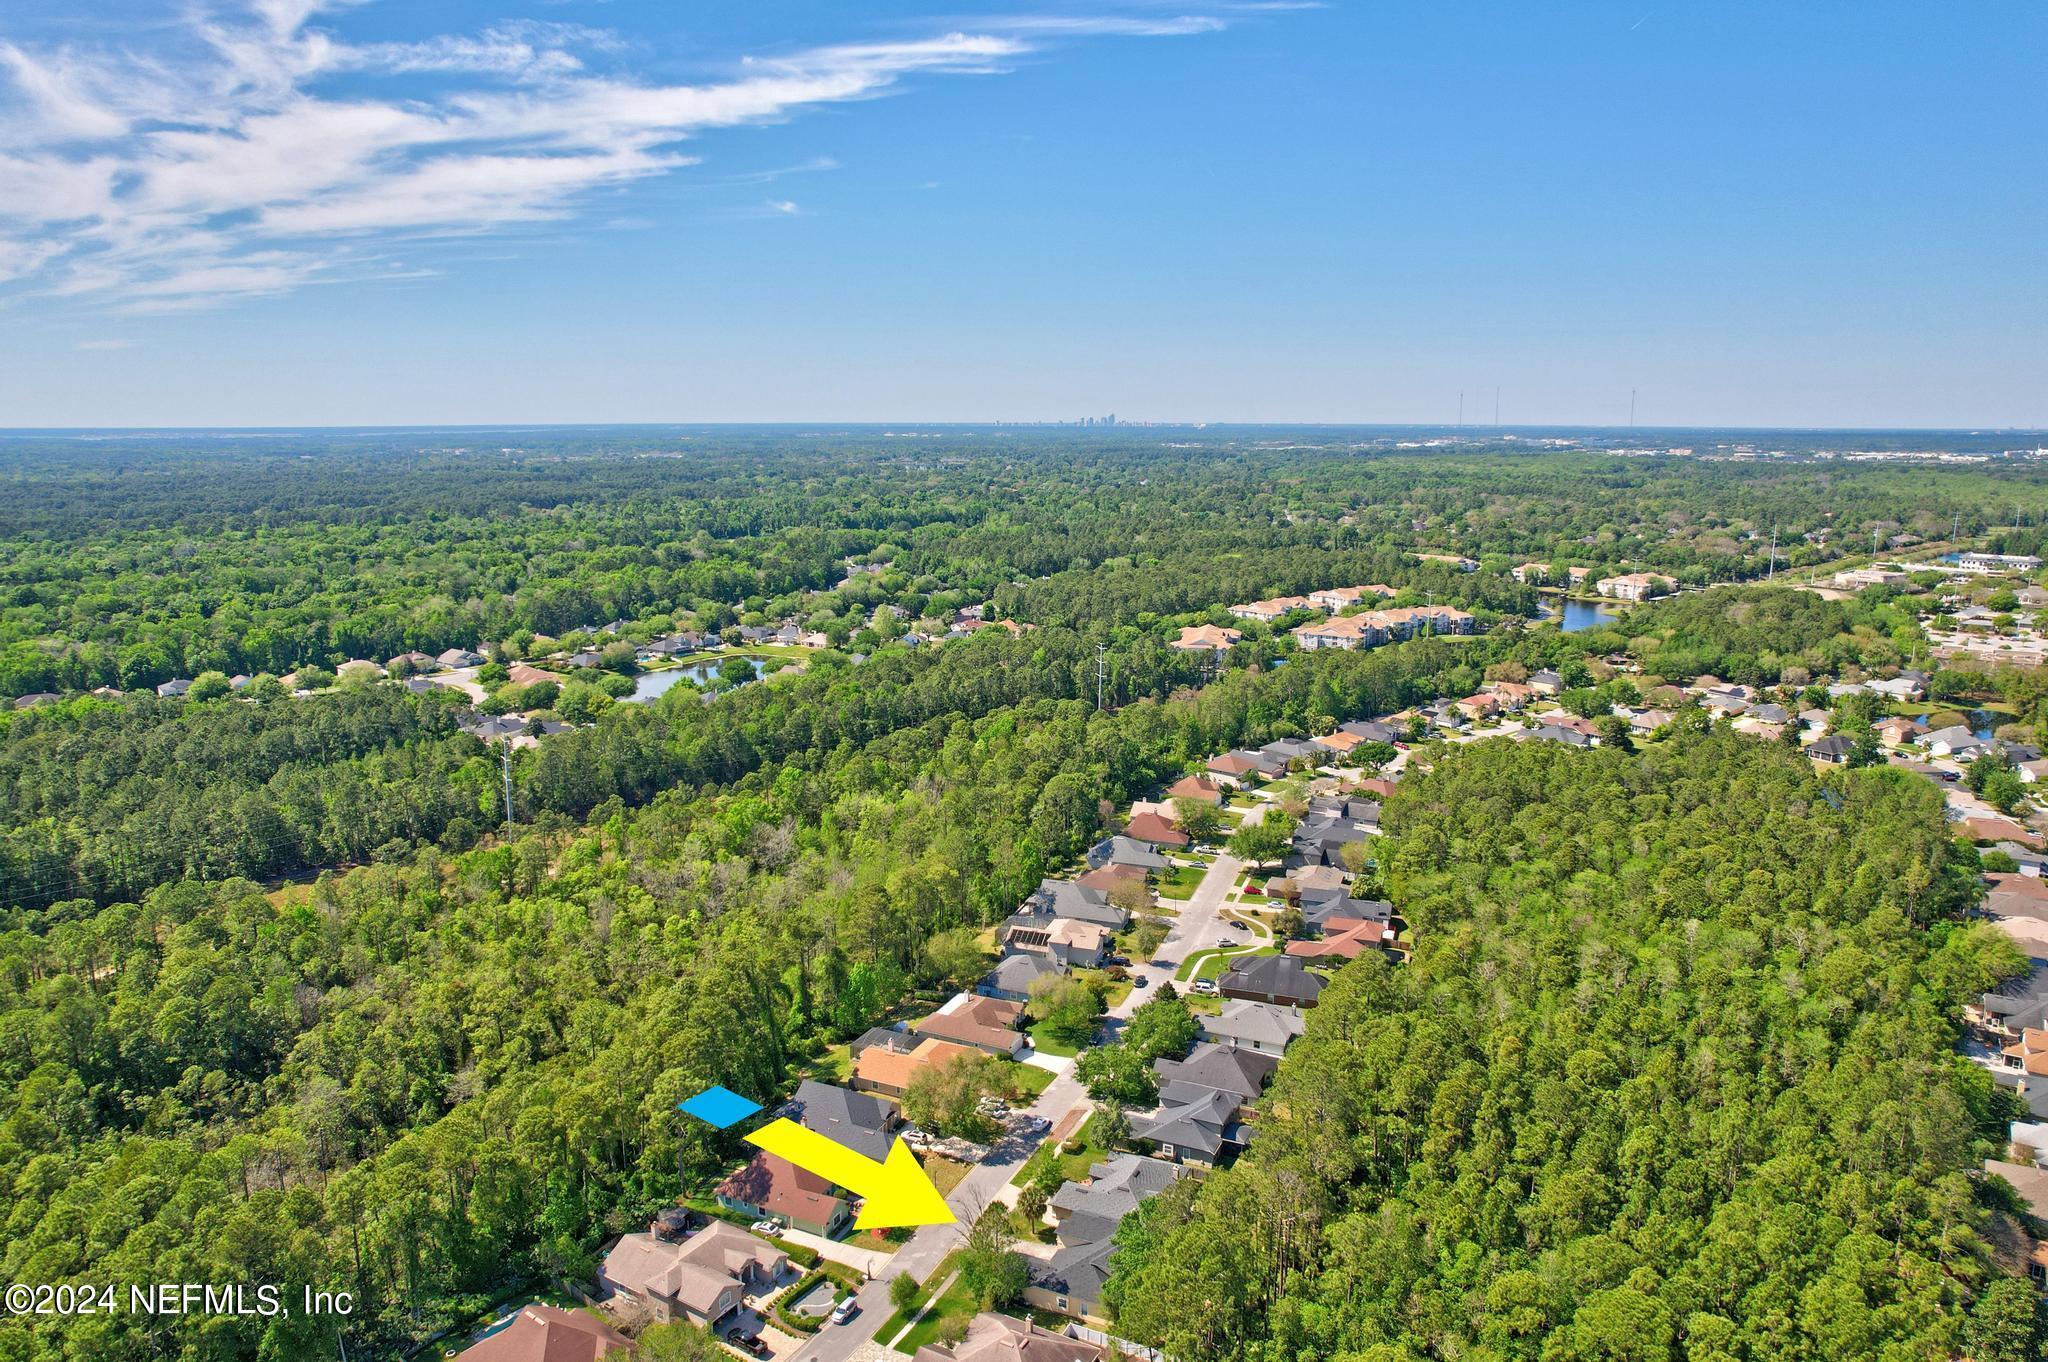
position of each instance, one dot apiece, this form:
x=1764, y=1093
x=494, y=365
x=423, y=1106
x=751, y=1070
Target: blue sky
x=283, y=211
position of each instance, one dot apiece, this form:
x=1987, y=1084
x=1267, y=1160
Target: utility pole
x=505, y=764
x=1772, y=571
x=1101, y=671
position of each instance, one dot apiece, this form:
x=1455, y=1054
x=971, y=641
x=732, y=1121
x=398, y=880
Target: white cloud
x=787, y=207
x=236, y=169
x=106, y=344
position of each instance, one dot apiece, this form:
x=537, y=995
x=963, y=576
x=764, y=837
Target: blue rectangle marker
x=719, y=1106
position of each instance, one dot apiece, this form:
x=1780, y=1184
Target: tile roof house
x=978, y=1020
x=1262, y=1027
x=1196, y=787
x=1110, y=878
x=889, y=1071
x=773, y=1186
x=858, y=1120
x=1278, y=979
x=1234, y=766
x=1150, y=827
x=702, y=1279
x=999, y=1338
x=1206, y=638
x=547, y=1333
x=1344, y=938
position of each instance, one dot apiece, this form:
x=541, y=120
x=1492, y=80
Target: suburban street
x=1198, y=925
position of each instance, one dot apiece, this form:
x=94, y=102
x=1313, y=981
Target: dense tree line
x=1669, y=1077
x=424, y=1081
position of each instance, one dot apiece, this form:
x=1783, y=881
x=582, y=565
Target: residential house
x=1159, y=831
x=1235, y=767
x=1478, y=708
x=888, y=1071
x=1207, y=638
x=548, y=1333
x=35, y=698
x=987, y=1024
x=858, y=1120
x=1988, y=829
x=1996, y=562
x=175, y=688
x=1451, y=560
x=358, y=669
x=1557, y=733
x=1338, y=744
x=2032, y=772
x=1956, y=742
x=770, y=1186
x=1510, y=696
x=1375, y=730
x=1836, y=749
x=2031, y=862
x=1535, y=574
x=1904, y=686
x=1897, y=732
x=1645, y=721
x=1287, y=751
x=1857, y=579
x=703, y=1279
x=1319, y=908
x=1118, y=882
x=1320, y=838
x=416, y=661
x=1123, y=851
x=1343, y=938
x=999, y=1338
x=460, y=657
x=1067, y=942
x=1071, y=899
x=1263, y=1027
x=1225, y=1068
x=1198, y=1126
x=1547, y=682
x=1635, y=586
x=1196, y=787
x=1278, y=979
x=525, y=674
x=1013, y=976
x=882, y=1037
x=1267, y=611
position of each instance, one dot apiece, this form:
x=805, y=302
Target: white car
x=1202, y=986
x=767, y=1227
x=845, y=1310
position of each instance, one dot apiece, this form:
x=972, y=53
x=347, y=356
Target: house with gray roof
x=1271, y=979
x=1124, y=851
x=1064, y=898
x=1954, y=741
x=1014, y=974
x=1093, y=1209
x=858, y=1120
x=1196, y=1126
x=1225, y=1068
x=1263, y=1027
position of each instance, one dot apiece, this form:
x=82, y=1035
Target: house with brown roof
x=988, y=1024
x=1206, y=638
x=1344, y=597
x=889, y=1072
x=523, y=674
x=1477, y=707
x=1196, y=787
x=1349, y=632
x=1344, y=938
x=547, y=1333
x=773, y=1186
x=1989, y=829
x=1150, y=827
x=702, y=1279
x=1112, y=877
x=1235, y=767
x=998, y=1338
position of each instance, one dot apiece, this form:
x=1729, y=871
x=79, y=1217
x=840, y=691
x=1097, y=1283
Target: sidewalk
x=874, y=1262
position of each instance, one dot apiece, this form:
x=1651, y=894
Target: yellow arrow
x=895, y=1192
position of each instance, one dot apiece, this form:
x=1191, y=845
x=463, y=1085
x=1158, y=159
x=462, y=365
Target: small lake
x=1982, y=722
x=651, y=686
x=1582, y=615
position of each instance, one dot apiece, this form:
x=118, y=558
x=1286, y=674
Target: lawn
x=1220, y=961
x=945, y=1173
x=1178, y=882
x=1046, y=1043
x=890, y=1326
x=834, y=1066
x=957, y=1303
x=1073, y=1167
x=1032, y=1079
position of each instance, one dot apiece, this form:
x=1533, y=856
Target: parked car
x=766, y=1227
x=1141, y=982
x=845, y=1310
x=1202, y=986
x=1117, y=960
x=1230, y=943
x=750, y=1344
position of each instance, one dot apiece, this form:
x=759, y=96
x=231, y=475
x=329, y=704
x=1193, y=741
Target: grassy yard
x=956, y=1303
x=945, y=1173
x=834, y=1066
x=894, y=1324
x=1073, y=1167
x=1046, y=1043
x=1210, y=963
x=1178, y=882
x=1032, y=1079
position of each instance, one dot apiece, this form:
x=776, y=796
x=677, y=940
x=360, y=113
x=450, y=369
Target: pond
x=1982, y=722
x=1581, y=615
x=651, y=686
